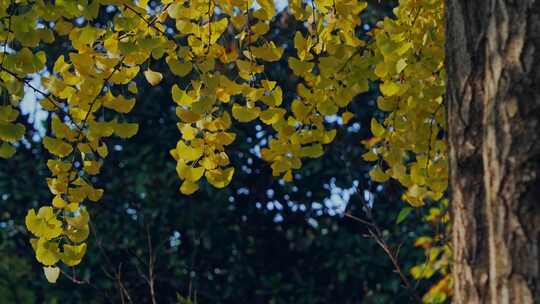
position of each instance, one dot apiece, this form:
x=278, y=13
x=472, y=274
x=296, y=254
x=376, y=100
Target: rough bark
x=493, y=103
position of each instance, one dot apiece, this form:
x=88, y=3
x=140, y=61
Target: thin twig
x=73, y=279
x=123, y=290
x=150, y=266
x=376, y=234
x=117, y=274
x=358, y=219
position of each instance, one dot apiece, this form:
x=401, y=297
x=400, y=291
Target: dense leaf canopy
x=180, y=146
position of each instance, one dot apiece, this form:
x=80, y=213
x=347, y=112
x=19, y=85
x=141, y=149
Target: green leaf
x=403, y=214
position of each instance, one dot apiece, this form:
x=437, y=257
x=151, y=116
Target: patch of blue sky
x=30, y=104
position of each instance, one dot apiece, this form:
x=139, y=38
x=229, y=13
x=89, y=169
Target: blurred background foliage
x=257, y=241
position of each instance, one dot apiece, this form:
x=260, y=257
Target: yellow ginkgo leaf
x=102, y=150
x=312, y=151
x=188, y=132
x=58, y=166
x=188, y=153
x=387, y=103
x=57, y=146
x=370, y=156
x=328, y=136
x=415, y=195
x=245, y=114
x=73, y=254
x=219, y=178
x=61, y=130
x=220, y=139
x=58, y=202
x=77, y=234
x=302, y=46
x=327, y=107
x=268, y=85
x=218, y=27
x=6, y=150
x=63, y=27
x=209, y=162
x=389, y=88
x=272, y=115
x=346, y=117
x=76, y=195
x=51, y=273
x=267, y=10
x=189, y=173
x=78, y=217
x=132, y=88
x=300, y=68
x=381, y=69
x=57, y=185
x=378, y=175
x=274, y=99
x=47, y=252
x=10, y=131
x=268, y=52
x=118, y=103
x=181, y=97
x=247, y=69
x=401, y=65
x=96, y=130
x=376, y=128
x=288, y=177
x=94, y=194
x=8, y=114
x=260, y=28
x=126, y=130
x=92, y=167
x=44, y=224
x=224, y=138
x=300, y=110
x=178, y=68
x=188, y=187
x=187, y=116
x=153, y=77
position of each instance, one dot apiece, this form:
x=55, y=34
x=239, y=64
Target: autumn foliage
x=218, y=52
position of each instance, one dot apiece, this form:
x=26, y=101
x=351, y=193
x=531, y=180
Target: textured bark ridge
x=493, y=102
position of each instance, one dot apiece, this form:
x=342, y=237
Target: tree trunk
x=493, y=102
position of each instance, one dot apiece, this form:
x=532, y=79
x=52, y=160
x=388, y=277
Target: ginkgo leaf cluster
x=217, y=53
x=408, y=144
